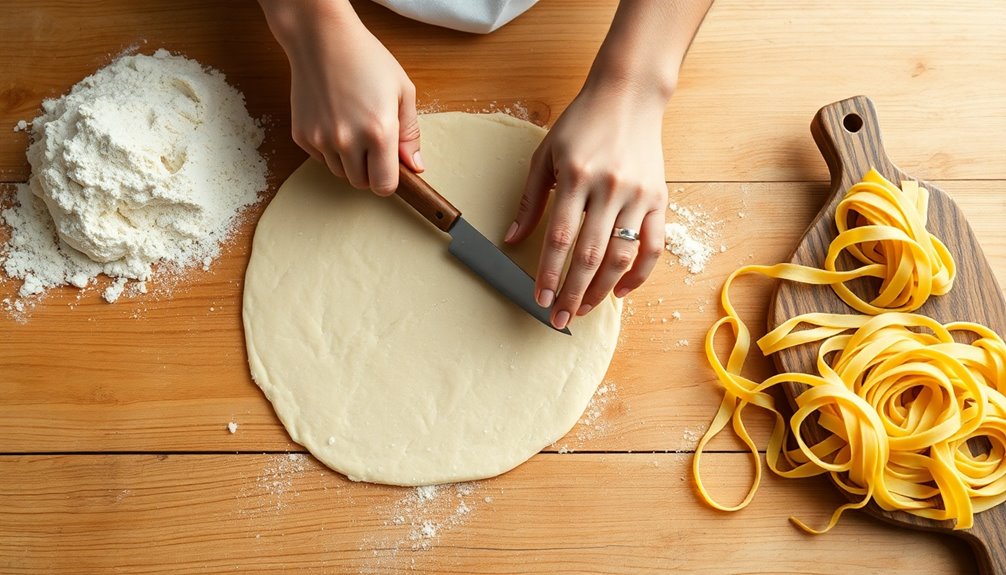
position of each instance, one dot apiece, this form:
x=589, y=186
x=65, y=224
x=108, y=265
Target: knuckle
x=590, y=257
x=639, y=194
x=376, y=132
x=611, y=181
x=571, y=302
x=652, y=250
x=384, y=187
x=576, y=171
x=570, y=296
x=316, y=139
x=410, y=131
x=622, y=260
x=549, y=277
x=560, y=238
x=340, y=140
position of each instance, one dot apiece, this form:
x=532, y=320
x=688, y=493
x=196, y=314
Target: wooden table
x=115, y=452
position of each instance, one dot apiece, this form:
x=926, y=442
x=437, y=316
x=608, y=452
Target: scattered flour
x=691, y=237
x=276, y=479
x=427, y=492
x=232, y=427
x=416, y=522
x=592, y=423
x=148, y=161
x=20, y=126
x=691, y=436
x=692, y=253
x=428, y=530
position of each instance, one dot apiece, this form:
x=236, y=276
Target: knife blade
x=472, y=248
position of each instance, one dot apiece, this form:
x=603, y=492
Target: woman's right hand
x=353, y=107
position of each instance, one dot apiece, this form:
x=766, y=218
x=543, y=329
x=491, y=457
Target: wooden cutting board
x=849, y=136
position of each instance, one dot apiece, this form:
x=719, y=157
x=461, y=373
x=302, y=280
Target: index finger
x=563, y=227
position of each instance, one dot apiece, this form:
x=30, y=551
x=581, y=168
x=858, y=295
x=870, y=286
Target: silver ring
x=625, y=234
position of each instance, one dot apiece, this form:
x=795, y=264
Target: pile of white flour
x=690, y=238
x=148, y=161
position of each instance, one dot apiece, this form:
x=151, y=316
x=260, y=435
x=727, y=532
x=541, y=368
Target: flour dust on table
x=384, y=356
x=692, y=237
x=147, y=163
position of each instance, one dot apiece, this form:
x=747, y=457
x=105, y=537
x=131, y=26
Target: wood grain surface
x=113, y=417
x=558, y=515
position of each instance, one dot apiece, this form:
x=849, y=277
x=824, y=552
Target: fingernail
x=561, y=319
x=622, y=292
x=417, y=159
x=584, y=309
x=510, y=232
x=545, y=297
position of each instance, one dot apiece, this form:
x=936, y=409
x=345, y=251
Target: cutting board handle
x=425, y=200
x=848, y=135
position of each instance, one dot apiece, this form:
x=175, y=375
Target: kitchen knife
x=471, y=247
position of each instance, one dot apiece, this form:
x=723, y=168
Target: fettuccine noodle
x=898, y=397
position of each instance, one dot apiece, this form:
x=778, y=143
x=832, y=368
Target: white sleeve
x=475, y=16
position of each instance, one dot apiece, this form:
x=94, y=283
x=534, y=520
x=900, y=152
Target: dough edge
x=301, y=433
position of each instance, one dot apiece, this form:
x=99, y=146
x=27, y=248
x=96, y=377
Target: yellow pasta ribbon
x=898, y=396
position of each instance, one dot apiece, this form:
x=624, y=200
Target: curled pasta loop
x=884, y=228
x=899, y=401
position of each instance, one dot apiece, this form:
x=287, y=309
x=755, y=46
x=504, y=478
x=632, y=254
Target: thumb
x=408, y=131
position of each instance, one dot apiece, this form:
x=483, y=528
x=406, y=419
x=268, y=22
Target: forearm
x=646, y=44
x=293, y=21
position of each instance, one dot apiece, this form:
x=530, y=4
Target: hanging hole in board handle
x=852, y=122
x=440, y=215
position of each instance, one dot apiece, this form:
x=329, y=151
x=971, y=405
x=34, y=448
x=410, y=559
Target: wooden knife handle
x=425, y=200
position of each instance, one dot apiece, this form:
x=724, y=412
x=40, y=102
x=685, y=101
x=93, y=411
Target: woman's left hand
x=604, y=161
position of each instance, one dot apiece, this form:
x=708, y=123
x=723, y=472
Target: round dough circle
x=387, y=358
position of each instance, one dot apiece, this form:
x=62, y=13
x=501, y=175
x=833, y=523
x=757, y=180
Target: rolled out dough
x=387, y=358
